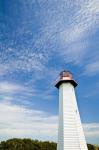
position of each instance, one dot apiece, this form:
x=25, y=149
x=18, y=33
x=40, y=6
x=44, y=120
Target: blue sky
x=38, y=39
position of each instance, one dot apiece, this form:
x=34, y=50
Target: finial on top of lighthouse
x=66, y=76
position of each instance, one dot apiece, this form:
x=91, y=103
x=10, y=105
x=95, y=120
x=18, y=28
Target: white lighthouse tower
x=70, y=131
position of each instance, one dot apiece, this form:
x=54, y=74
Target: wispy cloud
x=16, y=121
x=86, y=18
x=68, y=24
x=24, y=95
x=75, y=52
x=91, y=129
x=16, y=93
x=85, y=22
x=92, y=68
x=25, y=62
x=30, y=61
x=7, y=87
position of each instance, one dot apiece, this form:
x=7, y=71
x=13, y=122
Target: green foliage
x=28, y=144
x=92, y=147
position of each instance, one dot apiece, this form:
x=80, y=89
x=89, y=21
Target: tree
x=28, y=144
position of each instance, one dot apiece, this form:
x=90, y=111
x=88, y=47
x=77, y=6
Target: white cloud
x=75, y=52
x=7, y=87
x=84, y=22
x=73, y=21
x=11, y=88
x=87, y=19
x=5, y=68
x=23, y=94
x=26, y=60
x=29, y=61
x=17, y=121
x=91, y=129
x=87, y=16
x=92, y=68
x=22, y=122
x=10, y=91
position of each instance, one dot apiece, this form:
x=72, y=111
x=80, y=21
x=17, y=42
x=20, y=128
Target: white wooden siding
x=70, y=131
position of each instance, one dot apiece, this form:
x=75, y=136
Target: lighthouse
x=70, y=131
